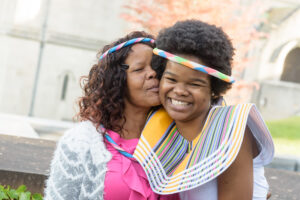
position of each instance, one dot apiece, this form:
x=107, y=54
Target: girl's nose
x=180, y=90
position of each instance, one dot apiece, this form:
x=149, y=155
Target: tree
x=237, y=18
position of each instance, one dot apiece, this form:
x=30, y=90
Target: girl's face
x=185, y=93
x=142, y=84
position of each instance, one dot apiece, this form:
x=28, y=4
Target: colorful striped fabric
x=125, y=44
x=193, y=65
x=174, y=164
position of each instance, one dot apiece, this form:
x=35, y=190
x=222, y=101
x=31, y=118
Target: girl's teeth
x=180, y=103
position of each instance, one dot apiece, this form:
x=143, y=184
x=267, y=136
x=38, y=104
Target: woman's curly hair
x=104, y=88
x=207, y=42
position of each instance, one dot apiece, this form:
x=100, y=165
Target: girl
x=193, y=146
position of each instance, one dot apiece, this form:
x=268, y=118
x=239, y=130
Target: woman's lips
x=153, y=89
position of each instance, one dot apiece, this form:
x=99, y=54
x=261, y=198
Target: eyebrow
x=139, y=62
x=170, y=73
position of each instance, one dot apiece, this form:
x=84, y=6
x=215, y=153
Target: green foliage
x=21, y=193
x=285, y=129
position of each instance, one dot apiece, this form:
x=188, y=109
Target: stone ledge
x=25, y=161
x=284, y=185
x=285, y=163
x=58, y=38
x=35, y=183
x=26, y=155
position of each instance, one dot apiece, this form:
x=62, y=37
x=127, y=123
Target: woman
x=119, y=92
x=200, y=149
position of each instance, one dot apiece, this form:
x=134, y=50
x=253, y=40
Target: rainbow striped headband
x=125, y=44
x=193, y=65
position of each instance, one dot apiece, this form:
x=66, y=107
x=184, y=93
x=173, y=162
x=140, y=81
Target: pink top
x=125, y=178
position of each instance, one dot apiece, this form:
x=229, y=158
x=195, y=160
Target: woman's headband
x=125, y=44
x=193, y=65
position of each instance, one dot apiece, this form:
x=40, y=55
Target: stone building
x=46, y=45
x=277, y=64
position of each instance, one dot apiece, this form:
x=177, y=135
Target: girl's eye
x=195, y=84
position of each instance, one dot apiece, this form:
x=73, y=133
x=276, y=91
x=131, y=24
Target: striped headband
x=193, y=65
x=125, y=44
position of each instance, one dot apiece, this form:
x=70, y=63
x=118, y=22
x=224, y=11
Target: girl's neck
x=191, y=129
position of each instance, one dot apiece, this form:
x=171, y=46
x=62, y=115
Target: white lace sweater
x=79, y=165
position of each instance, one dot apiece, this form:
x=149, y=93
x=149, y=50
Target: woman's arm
x=237, y=181
x=66, y=171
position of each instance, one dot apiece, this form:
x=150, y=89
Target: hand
x=269, y=195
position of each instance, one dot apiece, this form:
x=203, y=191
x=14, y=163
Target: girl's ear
x=219, y=101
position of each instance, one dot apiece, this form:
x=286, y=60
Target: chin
x=177, y=116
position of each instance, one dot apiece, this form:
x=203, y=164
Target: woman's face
x=142, y=84
x=184, y=92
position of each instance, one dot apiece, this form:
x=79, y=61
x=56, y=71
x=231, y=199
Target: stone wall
x=45, y=41
x=275, y=63
x=282, y=36
x=25, y=161
x=278, y=99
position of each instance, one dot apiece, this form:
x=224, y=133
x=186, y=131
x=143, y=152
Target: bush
x=7, y=193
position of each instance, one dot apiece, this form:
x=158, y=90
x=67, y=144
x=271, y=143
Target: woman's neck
x=135, y=122
x=191, y=129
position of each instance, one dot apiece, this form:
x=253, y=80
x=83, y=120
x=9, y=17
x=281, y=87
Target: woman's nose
x=150, y=73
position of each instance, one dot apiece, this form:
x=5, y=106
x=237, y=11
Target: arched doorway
x=291, y=70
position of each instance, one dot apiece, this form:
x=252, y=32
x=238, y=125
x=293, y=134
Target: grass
x=286, y=129
x=284, y=147
x=286, y=136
